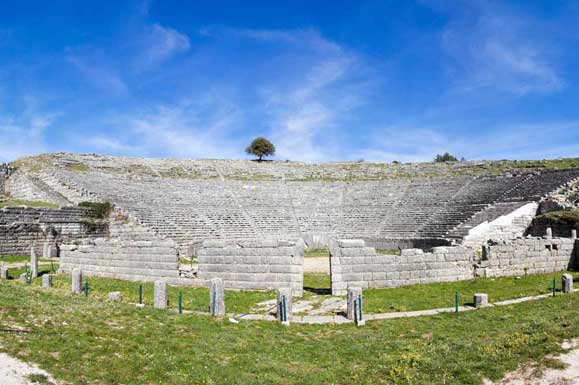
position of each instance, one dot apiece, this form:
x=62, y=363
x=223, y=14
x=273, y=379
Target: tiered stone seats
x=195, y=200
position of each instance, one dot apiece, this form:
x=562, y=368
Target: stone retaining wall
x=21, y=226
x=353, y=264
x=123, y=259
x=254, y=265
x=540, y=225
x=527, y=256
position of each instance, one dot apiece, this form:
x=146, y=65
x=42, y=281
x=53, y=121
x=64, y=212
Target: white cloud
x=510, y=141
x=23, y=135
x=304, y=117
x=160, y=44
x=99, y=73
x=495, y=48
x=196, y=128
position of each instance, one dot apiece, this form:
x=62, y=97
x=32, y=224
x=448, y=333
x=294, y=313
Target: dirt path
x=16, y=372
x=318, y=265
x=527, y=375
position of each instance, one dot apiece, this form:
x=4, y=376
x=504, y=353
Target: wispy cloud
x=23, y=134
x=498, y=49
x=411, y=144
x=159, y=44
x=304, y=116
x=98, y=70
x=197, y=127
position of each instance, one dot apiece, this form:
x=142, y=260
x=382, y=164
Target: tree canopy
x=446, y=157
x=260, y=147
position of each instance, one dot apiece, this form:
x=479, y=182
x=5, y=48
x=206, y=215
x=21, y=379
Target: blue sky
x=325, y=81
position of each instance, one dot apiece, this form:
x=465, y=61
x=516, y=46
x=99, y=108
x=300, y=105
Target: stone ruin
x=245, y=220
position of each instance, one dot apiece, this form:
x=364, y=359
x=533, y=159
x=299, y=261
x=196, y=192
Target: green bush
x=98, y=210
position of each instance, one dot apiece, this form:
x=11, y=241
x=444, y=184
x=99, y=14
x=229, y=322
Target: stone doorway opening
x=317, y=271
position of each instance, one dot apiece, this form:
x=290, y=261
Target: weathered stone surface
x=33, y=262
x=216, y=298
x=47, y=280
x=481, y=300
x=567, y=283
x=3, y=272
x=353, y=310
x=160, y=295
x=115, y=296
x=77, y=281
x=24, y=278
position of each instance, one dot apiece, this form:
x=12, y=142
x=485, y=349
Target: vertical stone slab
x=3, y=272
x=160, y=301
x=24, y=278
x=549, y=233
x=77, y=281
x=481, y=300
x=284, y=305
x=33, y=262
x=46, y=250
x=47, y=280
x=573, y=234
x=216, y=298
x=567, y=283
x=355, y=311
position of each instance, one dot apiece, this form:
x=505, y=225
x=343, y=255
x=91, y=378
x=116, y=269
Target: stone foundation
x=254, y=265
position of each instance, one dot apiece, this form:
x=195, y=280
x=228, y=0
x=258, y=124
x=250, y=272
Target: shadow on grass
x=318, y=290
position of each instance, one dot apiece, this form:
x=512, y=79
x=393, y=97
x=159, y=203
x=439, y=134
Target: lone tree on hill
x=260, y=147
x=446, y=157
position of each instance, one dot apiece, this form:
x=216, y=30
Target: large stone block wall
x=123, y=259
x=21, y=226
x=505, y=227
x=254, y=265
x=527, y=256
x=353, y=264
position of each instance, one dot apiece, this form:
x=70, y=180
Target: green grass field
x=18, y=202
x=90, y=341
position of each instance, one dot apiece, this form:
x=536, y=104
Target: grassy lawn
x=18, y=202
x=438, y=295
x=88, y=341
x=311, y=253
x=407, y=298
x=19, y=258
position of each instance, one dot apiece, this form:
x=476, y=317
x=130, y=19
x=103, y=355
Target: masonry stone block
x=567, y=283
x=33, y=262
x=481, y=300
x=24, y=278
x=355, y=305
x=160, y=295
x=3, y=272
x=77, y=281
x=216, y=298
x=47, y=280
x=115, y=296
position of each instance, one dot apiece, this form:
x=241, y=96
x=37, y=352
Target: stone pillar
x=481, y=300
x=549, y=233
x=567, y=283
x=355, y=305
x=76, y=281
x=573, y=234
x=115, y=296
x=24, y=278
x=216, y=298
x=46, y=250
x=3, y=272
x=33, y=262
x=47, y=280
x=160, y=295
x=284, y=305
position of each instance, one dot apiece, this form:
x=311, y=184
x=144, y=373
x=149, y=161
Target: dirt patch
x=317, y=265
x=16, y=372
x=529, y=375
